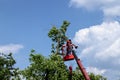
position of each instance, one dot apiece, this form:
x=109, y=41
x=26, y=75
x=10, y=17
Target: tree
x=52, y=68
x=58, y=36
x=42, y=68
x=7, y=70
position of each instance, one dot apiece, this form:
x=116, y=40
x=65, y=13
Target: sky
x=95, y=26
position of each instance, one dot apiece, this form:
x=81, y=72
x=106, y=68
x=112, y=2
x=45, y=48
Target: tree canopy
x=58, y=36
x=7, y=69
x=42, y=68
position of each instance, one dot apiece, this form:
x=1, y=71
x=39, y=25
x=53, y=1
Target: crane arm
x=85, y=74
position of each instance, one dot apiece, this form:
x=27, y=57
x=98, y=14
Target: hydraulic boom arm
x=81, y=67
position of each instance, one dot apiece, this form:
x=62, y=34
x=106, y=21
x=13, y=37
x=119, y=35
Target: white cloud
x=112, y=11
x=110, y=8
x=96, y=70
x=99, y=45
x=113, y=74
x=14, y=48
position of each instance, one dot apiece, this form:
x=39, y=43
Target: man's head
x=69, y=41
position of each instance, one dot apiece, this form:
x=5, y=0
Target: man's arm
x=75, y=46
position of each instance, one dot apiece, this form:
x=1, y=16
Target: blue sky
x=24, y=25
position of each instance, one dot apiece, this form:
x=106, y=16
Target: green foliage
x=58, y=36
x=7, y=71
x=77, y=75
x=97, y=77
x=41, y=68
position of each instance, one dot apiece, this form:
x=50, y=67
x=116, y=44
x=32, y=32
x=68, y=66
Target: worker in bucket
x=69, y=47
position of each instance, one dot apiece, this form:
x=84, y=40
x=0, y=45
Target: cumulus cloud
x=96, y=70
x=99, y=45
x=110, y=8
x=14, y=48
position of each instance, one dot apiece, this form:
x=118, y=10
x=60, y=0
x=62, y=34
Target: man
x=69, y=47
